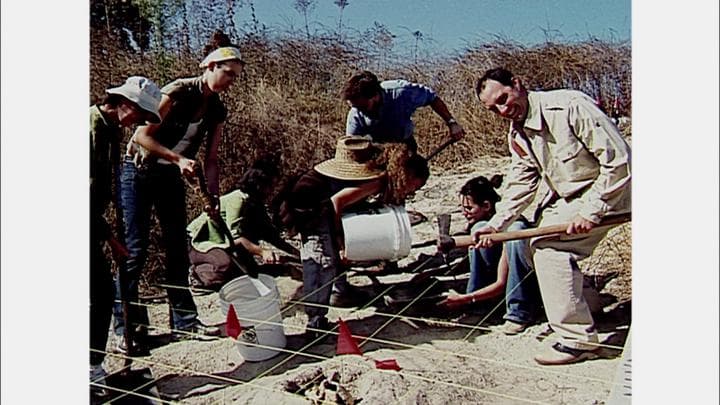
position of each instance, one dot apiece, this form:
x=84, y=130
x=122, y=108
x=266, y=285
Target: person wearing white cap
x=133, y=103
x=158, y=156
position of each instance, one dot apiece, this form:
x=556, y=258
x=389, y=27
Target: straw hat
x=143, y=92
x=352, y=155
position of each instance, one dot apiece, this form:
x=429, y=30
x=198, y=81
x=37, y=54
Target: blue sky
x=450, y=25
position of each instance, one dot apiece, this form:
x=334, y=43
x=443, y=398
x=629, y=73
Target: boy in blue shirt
x=383, y=110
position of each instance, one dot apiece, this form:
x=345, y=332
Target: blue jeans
x=320, y=260
x=522, y=295
x=160, y=186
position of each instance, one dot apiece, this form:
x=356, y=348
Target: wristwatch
x=451, y=121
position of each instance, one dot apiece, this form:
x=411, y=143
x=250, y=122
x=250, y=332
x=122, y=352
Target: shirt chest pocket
x=572, y=167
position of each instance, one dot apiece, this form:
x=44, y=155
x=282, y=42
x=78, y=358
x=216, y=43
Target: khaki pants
x=560, y=279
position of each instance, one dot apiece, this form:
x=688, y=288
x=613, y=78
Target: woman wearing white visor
x=158, y=156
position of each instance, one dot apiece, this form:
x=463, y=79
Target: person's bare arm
x=145, y=137
x=490, y=291
x=268, y=256
x=455, y=131
x=276, y=240
x=350, y=195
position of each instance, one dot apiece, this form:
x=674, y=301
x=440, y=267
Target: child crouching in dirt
x=501, y=268
x=157, y=160
x=314, y=207
x=243, y=211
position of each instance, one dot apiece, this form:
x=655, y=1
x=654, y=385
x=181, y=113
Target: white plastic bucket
x=379, y=234
x=259, y=317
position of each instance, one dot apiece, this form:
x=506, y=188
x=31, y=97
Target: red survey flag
x=232, y=325
x=345, y=343
x=389, y=364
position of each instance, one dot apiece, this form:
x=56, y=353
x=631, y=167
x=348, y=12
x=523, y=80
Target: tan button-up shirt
x=573, y=147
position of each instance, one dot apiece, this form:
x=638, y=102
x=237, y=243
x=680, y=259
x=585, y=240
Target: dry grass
x=613, y=255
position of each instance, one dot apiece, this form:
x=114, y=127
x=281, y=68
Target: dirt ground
x=444, y=357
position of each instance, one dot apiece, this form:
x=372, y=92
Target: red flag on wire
x=232, y=325
x=389, y=364
x=118, y=250
x=345, y=343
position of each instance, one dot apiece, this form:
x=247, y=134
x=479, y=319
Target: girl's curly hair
x=402, y=165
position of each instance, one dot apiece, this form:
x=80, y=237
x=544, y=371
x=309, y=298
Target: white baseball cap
x=143, y=92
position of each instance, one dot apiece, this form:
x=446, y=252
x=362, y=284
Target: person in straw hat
x=135, y=102
x=317, y=200
x=158, y=157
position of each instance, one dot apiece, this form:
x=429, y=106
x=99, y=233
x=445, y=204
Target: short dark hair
x=361, y=85
x=502, y=75
x=114, y=99
x=259, y=176
x=418, y=166
x=481, y=189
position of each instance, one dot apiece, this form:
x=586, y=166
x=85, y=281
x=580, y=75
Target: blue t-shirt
x=400, y=99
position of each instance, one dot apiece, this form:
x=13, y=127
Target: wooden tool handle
x=443, y=224
x=240, y=256
x=440, y=148
x=559, y=229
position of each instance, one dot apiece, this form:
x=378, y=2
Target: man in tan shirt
x=560, y=142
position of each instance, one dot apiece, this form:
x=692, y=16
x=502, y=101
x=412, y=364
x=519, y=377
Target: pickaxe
x=240, y=256
x=550, y=230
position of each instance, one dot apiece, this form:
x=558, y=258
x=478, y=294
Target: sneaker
x=560, y=354
x=197, y=331
x=513, y=328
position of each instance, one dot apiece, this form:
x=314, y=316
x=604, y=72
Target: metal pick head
x=443, y=224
